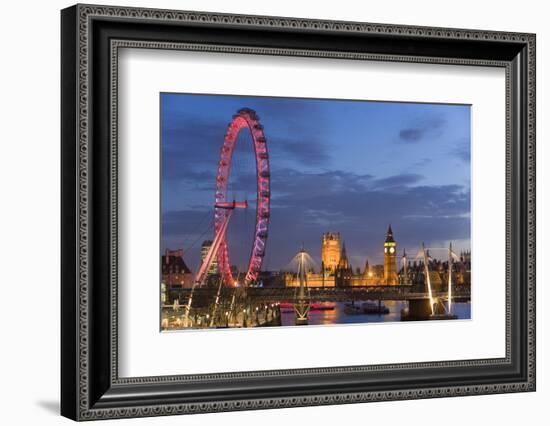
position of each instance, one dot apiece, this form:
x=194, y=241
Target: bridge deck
x=332, y=294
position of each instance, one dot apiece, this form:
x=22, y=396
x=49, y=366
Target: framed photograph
x=263, y=212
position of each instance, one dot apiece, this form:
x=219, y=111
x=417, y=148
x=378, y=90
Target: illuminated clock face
x=392, y=250
x=385, y=249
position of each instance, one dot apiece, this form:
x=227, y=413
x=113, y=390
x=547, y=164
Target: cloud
x=285, y=109
x=431, y=126
x=190, y=150
x=305, y=205
x=411, y=135
x=305, y=151
x=423, y=162
x=402, y=180
x=289, y=181
x=462, y=150
x=361, y=209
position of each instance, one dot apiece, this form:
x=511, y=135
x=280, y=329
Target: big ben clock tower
x=390, y=251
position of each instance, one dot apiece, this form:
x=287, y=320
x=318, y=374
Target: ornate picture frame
x=91, y=37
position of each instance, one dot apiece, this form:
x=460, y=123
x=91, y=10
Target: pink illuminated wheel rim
x=244, y=118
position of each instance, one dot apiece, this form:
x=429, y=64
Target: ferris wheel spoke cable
x=206, y=215
x=209, y=229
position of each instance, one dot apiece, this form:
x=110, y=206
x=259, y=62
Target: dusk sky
x=351, y=167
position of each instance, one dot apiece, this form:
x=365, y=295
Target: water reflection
x=338, y=316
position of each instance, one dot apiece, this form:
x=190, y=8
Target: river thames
x=339, y=316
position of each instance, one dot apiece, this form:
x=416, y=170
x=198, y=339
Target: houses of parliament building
x=336, y=270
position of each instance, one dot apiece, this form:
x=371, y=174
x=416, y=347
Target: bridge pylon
x=301, y=297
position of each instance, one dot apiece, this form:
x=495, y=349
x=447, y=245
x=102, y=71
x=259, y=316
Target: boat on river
x=379, y=308
x=322, y=306
x=353, y=309
x=366, y=308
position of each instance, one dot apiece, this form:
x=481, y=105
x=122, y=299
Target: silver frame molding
x=91, y=39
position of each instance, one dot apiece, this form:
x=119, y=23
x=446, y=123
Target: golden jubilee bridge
x=461, y=293
x=260, y=306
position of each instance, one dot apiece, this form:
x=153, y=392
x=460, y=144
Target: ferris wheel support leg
x=201, y=275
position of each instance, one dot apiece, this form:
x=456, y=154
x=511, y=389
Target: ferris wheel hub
x=231, y=205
